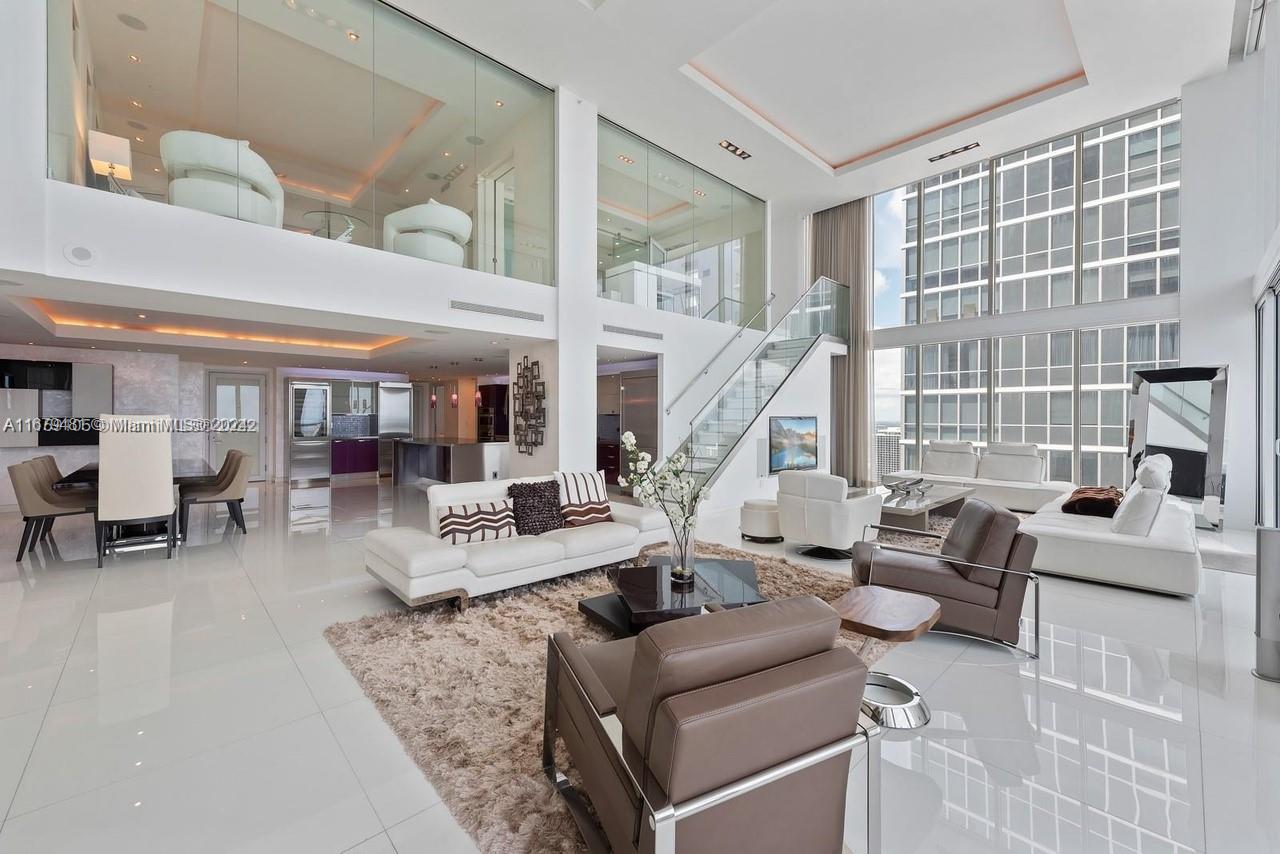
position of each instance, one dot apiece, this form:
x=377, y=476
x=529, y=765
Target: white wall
x=1224, y=230
x=806, y=392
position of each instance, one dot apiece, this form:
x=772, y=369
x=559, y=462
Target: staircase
x=715, y=432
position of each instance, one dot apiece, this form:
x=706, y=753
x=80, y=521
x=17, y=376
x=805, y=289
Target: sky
x=887, y=304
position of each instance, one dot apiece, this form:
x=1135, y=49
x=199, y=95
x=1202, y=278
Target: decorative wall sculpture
x=529, y=399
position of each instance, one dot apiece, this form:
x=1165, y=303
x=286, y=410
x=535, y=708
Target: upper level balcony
x=347, y=121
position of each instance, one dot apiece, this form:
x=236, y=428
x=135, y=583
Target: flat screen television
x=793, y=443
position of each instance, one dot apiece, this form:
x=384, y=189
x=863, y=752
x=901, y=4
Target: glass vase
x=682, y=553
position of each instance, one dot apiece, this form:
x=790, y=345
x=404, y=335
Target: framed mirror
x=1181, y=412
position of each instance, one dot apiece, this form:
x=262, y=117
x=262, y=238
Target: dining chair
x=50, y=474
x=40, y=505
x=135, y=477
x=228, y=487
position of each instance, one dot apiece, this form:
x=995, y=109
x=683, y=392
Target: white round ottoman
x=759, y=521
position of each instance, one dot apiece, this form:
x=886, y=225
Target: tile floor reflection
x=193, y=705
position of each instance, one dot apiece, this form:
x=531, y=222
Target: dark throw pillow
x=537, y=507
x=1094, y=501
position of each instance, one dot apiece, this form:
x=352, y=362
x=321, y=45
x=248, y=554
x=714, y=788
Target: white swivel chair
x=815, y=508
x=221, y=176
x=432, y=231
x=135, y=477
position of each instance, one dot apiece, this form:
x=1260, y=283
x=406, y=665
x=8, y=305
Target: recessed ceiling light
x=245, y=362
x=311, y=12
x=142, y=317
x=31, y=342
x=281, y=175
x=499, y=103
x=155, y=168
x=699, y=193
x=292, y=4
x=736, y=151
x=447, y=154
x=136, y=103
x=352, y=35
x=138, y=139
x=134, y=58
x=625, y=159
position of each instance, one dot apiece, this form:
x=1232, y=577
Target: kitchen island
x=449, y=459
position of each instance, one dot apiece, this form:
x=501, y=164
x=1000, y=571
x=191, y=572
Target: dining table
x=185, y=470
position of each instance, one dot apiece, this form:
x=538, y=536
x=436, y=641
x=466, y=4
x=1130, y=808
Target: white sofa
x=420, y=568
x=816, y=509
x=221, y=176
x=432, y=231
x=1166, y=558
x=1012, y=475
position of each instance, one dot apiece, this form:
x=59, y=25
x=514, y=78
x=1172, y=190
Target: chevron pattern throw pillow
x=477, y=523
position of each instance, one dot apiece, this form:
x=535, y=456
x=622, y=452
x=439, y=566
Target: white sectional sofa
x=1166, y=558
x=420, y=568
x=1008, y=474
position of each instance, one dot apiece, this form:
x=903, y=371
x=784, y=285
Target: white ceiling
x=630, y=58
x=226, y=333
x=874, y=75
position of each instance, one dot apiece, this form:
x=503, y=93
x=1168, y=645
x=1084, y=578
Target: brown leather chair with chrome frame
x=979, y=577
x=727, y=731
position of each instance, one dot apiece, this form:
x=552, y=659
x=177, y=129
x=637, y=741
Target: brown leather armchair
x=726, y=731
x=979, y=577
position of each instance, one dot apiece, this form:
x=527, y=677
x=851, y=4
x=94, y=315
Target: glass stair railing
x=719, y=426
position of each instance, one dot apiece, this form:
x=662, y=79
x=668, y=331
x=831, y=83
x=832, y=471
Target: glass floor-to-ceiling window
x=1085, y=218
x=351, y=122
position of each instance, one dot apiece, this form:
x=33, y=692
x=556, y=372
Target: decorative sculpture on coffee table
x=529, y=397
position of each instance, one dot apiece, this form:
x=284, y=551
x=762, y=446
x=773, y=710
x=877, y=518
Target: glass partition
x=673, y=237
x=352, y=122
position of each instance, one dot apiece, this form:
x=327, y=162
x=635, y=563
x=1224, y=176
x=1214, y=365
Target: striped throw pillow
x=477, y=523
x=583, y=499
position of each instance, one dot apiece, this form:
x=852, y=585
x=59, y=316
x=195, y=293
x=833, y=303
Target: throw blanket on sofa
x=1094, y=501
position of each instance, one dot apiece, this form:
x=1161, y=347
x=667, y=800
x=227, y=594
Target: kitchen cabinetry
x=608, y=395
x=353, y=456
x=91, y=390
x=354, y=398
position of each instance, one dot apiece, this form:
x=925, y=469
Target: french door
x=236, y=401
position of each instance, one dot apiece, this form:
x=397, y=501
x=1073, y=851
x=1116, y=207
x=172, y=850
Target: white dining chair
x=135, y=477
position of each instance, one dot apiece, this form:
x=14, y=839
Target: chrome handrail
x=707, y=314
x=707, y=367
x=764, y=342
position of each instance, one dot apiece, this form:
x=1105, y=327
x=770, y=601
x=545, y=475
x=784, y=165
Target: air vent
x=740, y=153
x=637, y=333
x=953, y=152
x=479, y=308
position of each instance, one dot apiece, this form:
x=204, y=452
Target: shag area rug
x=464, y=692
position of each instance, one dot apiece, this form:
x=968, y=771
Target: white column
x=23, y=79
x=577, y=320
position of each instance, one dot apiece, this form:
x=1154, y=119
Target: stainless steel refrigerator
x=395, y=421
x=308, y=431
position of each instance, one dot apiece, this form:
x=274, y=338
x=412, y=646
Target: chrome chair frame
x=1033, y=653
x=663, y=818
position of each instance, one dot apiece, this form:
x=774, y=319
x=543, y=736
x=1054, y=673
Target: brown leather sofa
x=979, y=577
x=726, y=731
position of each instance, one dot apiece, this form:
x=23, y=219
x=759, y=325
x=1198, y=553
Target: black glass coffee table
x=646, y=594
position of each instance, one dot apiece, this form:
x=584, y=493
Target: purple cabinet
x=352, y=456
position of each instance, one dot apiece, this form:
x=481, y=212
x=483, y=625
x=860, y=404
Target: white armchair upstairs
x=221, y=176
x=816, y=508
x=432, y=231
